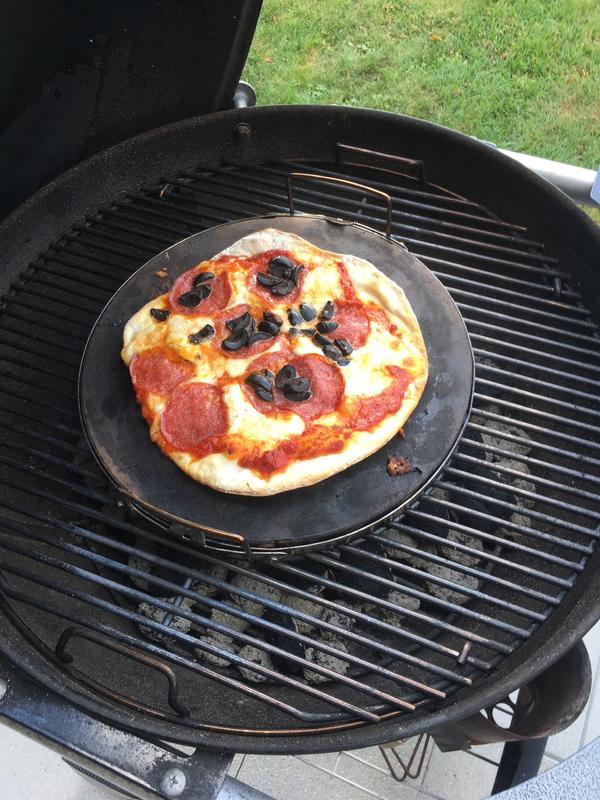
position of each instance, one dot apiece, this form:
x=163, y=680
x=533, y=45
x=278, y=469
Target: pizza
x=275, y=364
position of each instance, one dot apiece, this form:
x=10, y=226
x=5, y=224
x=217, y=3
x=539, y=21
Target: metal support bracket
x=144, y=769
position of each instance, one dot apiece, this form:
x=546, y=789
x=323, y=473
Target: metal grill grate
x=385, y=626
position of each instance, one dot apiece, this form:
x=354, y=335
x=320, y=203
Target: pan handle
x=344, y=182
x=390, y=160
x=117, y=647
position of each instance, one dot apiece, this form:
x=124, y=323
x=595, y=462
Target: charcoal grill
x=470, y=594
x=486, y=599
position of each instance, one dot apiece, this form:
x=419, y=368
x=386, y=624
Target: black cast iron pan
x=337, y=508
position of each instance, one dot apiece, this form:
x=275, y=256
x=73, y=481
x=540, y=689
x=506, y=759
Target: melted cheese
x=322, y=283
x=248, y=423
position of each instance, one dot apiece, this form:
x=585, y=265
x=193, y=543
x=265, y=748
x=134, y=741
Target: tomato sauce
x=369, y=411
x=317, y=440
x=348, y=289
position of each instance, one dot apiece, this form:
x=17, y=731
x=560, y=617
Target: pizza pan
x=340, y=507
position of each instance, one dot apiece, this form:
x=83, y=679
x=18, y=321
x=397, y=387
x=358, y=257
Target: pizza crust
x=372, y=286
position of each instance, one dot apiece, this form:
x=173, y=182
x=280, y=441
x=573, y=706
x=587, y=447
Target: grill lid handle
x=315, y=177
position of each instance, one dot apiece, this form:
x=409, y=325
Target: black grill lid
x=90, y=75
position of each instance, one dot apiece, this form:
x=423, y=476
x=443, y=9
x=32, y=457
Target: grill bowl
x=518, y=242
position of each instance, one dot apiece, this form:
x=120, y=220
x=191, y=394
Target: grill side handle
x=129, y=652
x=546, y=705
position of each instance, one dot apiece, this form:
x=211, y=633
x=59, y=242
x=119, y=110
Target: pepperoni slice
x=194, y=413
x=353, y=322
x=326, y=380
x=260, y=263
x=159, y=370
x=222, y=332
x=218, y=299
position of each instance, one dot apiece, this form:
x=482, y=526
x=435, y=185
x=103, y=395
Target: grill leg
x=519, y=763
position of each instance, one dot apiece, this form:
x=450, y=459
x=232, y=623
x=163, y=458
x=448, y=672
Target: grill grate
x=387, y=625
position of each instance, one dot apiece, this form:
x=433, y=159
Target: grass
x=524, y=74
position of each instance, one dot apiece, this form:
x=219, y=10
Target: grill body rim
x=22, y=238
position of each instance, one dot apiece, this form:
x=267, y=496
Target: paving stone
x=374, y=779
x=30, y=771
x=326, y=761
x=236, y=764
x=591, y=727
x=587, y=726
x=451, y=776
x=289, y=778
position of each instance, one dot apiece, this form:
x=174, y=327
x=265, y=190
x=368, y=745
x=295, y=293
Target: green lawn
x=524, y=74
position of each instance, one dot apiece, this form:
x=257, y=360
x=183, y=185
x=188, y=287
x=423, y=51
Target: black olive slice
x=297, y=385
x=159, y=314
x=190, y=299
x=282, y=288
x=327, y=311
x=264, y=394
x=343, y=362
x=294, y=317
x=344, y=345
x=235, y=342
x=281, y=265
x=269, y=316
x=308, y=331
x=259, y=380
x=285, y=374
x=307, y=311
x=202, y=277
x=269, y=280
x=326, y=327
x=282, y=260
x=322, y=341
x=203, y=333
x=331, y=351
x=239, y=323
x=294, y=274
x=269, y=374
x=298, y=397
x=268, y=327
x=280, y=271
x=261, y=336
x=204, y=290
